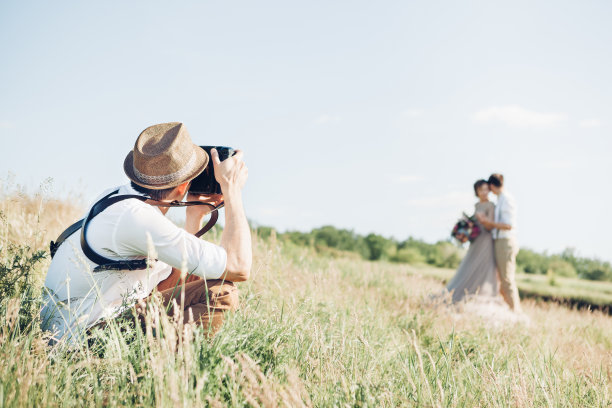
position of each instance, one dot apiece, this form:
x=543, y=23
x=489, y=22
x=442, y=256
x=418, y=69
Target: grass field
x=569, y=291
x=312, y=331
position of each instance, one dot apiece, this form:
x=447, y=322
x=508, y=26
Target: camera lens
x=206, y=183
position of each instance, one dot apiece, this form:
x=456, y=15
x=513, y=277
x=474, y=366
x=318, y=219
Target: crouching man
x=80, y=293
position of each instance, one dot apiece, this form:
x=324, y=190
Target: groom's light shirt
x=505, y=213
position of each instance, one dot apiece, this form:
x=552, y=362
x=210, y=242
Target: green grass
x=320, y=331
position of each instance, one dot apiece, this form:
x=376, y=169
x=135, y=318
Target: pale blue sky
x=375, y=116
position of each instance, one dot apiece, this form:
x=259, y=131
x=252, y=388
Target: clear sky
x=373, y=116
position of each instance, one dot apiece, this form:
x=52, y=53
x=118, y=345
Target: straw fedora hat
x=164, y=156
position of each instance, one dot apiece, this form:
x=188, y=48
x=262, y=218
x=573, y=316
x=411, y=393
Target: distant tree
x=448, y=255
x=561, y=267
x=569, y=255
x=593, y=269
x=299, y=238
x=335, y=238
x=408, y=255
x=587, y=268
x=265, y=232
x=529, y=261
x=442, y=254
x=377, y=245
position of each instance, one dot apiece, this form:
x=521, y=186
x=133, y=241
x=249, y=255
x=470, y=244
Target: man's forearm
x=487, y=224
x=236, y=237
x=193, y=222
x=502, y=226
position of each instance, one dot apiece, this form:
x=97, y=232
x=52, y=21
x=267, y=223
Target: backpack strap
x=64, y=236
x=105, y=202
x=53, y=246
x=103, y=262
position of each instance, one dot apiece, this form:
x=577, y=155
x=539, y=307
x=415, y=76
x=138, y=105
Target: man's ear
x=181, y=189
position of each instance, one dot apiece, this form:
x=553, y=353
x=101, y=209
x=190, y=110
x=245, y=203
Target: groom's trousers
x=505, y=257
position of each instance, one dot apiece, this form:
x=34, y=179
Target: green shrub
x=565, y=264
x=587, y=268
x=377, y=246
x=264, y=232
x=561, y=267
x=344, y=240
x=408, y=255
x=447, y=255
x=529, y=261
x=596, y=271
x=299, y=238
x=17, y=268
x=443, y=254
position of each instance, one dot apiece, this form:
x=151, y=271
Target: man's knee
x=224, y=294
x=232, y=297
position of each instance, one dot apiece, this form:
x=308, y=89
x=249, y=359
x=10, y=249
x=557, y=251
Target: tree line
x=443, y=254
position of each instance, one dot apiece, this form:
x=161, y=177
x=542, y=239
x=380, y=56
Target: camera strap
x=109, y=264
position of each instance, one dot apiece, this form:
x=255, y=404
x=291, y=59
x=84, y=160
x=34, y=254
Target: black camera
x=206, y=183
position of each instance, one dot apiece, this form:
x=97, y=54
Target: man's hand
x=196, y=213
x=488, y=224
x=230, y=173
x=214, y=199
x=202, y=210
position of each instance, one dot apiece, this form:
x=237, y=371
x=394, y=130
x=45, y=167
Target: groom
x=504, y=233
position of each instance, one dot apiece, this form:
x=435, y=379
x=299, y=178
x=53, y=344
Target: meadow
x=313, y=329
x=572, y=292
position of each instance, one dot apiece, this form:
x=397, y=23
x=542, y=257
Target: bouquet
x=466, y=229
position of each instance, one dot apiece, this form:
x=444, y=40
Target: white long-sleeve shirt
x=505, y=213
x=76, y=297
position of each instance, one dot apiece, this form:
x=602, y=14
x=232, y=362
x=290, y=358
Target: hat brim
x=202, y=160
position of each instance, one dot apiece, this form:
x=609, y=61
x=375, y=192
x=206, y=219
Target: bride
x=477, y=274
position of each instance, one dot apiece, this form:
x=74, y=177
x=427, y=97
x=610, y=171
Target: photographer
x=80, y=292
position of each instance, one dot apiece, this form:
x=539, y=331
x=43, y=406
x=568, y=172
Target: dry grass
x=35, y=219
x=313, y=331
x=377, y=306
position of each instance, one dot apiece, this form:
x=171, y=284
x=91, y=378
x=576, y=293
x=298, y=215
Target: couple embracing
x=489, y=266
